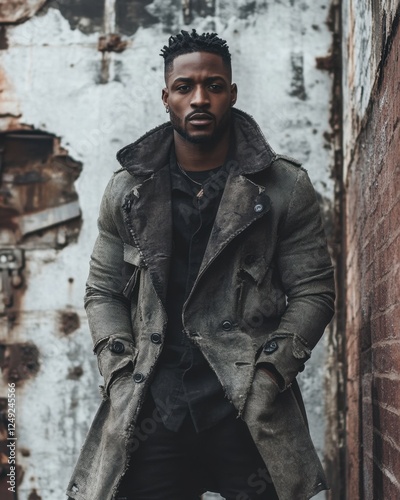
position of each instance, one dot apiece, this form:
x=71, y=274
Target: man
x=210, y=284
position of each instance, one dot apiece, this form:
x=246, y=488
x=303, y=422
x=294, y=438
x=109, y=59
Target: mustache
x=199, y=112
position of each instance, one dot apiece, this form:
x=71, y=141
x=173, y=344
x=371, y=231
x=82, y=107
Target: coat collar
x=148, y=154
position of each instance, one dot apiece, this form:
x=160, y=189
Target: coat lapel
x=242, y=203
x=149, y=219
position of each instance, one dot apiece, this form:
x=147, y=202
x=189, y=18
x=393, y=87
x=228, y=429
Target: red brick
x=386, y=359
x=388, y=256
x=389, y=423
x=394, y=219
x=388, y=492
x=382, y=232
x=386, y=456
x=385, y=325
x=373, y=295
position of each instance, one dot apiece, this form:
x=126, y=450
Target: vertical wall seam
x=336, y=440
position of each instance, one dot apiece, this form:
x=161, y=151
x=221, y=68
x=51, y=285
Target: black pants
x=182, y=465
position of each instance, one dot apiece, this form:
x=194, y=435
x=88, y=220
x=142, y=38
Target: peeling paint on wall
x=19, y=362
x=33, y=495
x=297, y=87
x=3, y=38
x=18, y=11
x=75, y=373
x=69, y=322
x=84, y=15
x=130, y=16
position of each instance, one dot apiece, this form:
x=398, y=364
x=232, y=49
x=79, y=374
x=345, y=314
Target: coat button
x=226, y=325
x=258, y=208
x=138, y=377
x=117, y=347
x=155, y=338
x=270, y=346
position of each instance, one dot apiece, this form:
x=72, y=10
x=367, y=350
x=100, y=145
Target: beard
x=210, y=138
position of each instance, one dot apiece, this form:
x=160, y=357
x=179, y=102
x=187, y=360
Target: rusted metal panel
x=112, y=43
x=37, y=191
x=18, y=11
x=9, y=106
x=49, y=217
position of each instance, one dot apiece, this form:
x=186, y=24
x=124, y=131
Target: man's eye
x=183, y=88
x=215, y=87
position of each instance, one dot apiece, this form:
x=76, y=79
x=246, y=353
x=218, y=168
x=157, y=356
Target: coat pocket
x=131, y=271
x=131, y=284
x=260, y=297
x=117, y=357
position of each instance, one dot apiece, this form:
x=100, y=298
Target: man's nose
x=200, y=97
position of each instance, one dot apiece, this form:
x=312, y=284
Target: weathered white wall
x=53, y=77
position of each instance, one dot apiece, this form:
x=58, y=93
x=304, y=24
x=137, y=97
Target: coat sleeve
x=107, y=308
x=307, y=277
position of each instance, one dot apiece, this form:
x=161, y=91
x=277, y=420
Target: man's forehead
x=194, y=62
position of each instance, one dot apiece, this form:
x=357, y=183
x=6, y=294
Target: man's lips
x=201, y=119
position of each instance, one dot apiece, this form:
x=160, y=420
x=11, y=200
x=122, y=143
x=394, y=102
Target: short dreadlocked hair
x=185, y=43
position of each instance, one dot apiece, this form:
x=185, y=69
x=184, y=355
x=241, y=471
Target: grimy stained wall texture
x=79, y=79
x=371, y=89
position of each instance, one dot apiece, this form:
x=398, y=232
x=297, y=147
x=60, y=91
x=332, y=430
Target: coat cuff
x=285, y=355
x=115, y=356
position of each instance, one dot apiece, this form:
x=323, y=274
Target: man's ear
x=164, y=97
x=234, y=92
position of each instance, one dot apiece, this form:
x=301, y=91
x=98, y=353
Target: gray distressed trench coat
x=266, y=270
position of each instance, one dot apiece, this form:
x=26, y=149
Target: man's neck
x=198, y=157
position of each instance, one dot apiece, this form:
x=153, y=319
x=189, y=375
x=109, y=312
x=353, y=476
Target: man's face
x=199, y=95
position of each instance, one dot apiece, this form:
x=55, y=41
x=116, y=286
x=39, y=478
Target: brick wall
x=373, y=289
